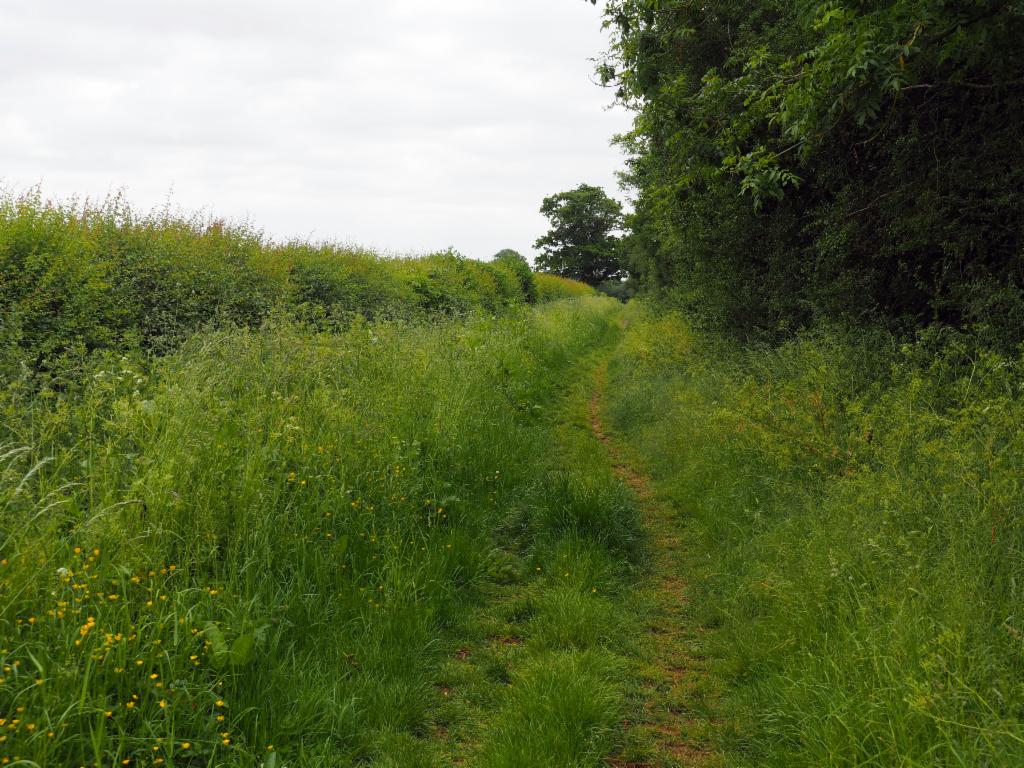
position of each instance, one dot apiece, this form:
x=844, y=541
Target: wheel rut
x=671, y=727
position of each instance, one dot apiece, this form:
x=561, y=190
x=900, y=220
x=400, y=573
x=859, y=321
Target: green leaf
x=218, y=644
x=242, y=649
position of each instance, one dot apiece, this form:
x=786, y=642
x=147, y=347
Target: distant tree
x=516, y=263
x=623, y=290
x=581, y=243
x=506, y=254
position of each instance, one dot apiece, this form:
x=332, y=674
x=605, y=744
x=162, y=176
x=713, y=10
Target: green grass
x=267, y=542
x=853, y=506
x=538, y=673
x=560, y=713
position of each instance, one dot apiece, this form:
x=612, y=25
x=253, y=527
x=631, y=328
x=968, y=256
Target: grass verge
x=853, y=507
x=544, y=673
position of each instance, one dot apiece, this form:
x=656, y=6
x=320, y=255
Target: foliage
x=517, y=263
x=824, y=159
x=623, y=290
x=554, y=288
x=75, y=279
x=581, y=243
x=853, y=504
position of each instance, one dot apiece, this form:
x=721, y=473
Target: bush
x=809, y=159
x=75, y=279
x=623, y=290
x=517, y=264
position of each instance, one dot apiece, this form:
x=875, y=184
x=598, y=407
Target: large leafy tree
x=581, y=243
x=805, y=158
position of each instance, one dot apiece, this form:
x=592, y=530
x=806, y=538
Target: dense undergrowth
x=858, y=502
x=259, y=545
x=795, y=162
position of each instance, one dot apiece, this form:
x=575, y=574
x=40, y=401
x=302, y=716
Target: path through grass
x=541, y=670
x=266, y=548
x=847, y=522
x=673, y=720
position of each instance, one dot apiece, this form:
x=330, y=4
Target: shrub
x=517, y=264
x=623, y=290
x=76, y=278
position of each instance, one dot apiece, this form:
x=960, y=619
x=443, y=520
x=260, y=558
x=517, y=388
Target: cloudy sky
x=405, y=125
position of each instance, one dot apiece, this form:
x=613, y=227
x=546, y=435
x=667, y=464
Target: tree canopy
x=794, y=159
x=581, y=243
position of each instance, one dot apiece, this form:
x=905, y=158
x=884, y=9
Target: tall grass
x=858, y=503
x=566, y=683
x=253, y=551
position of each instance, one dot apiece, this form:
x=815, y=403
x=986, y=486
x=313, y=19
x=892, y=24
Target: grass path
x=523, y=631
x=672, y=719
x=527, y=627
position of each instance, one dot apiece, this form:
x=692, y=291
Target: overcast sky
x=404, y=125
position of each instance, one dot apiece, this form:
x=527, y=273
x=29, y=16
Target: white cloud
x=399, y=124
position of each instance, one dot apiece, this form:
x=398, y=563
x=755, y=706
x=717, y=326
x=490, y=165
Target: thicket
x=77, y=279
x=854, y=508
x=809, y=160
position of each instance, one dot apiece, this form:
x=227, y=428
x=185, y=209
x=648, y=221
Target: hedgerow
x=78, y=278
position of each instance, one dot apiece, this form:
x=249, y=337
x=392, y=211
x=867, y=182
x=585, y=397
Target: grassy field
x=853, y=510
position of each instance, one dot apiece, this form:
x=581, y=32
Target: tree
x=508, y=253
x=517, y=264
x=798, y=159
x=581, y=244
